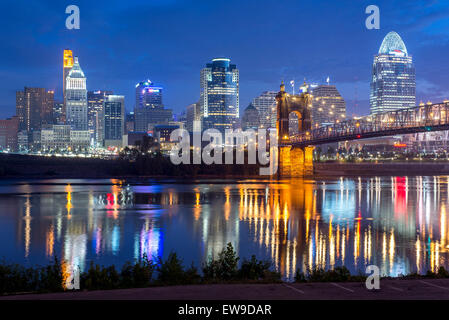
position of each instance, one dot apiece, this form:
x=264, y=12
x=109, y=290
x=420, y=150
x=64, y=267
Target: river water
x=399, y=224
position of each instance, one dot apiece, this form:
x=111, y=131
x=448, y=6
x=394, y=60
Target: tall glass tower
x=219, y=96
x=393, y=80
x=76, y=98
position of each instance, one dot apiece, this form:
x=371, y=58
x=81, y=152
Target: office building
x=58, y=112
x=129, y=122
x=95, y=102
x=250, y=118
x=328, y=105
x=8, y=134
x=149, y=109
x=34, y=107
x=393, y=82
x=114, y=120
x=219, y=95
x=76, y=98
x=193, y=117
x=266, y=106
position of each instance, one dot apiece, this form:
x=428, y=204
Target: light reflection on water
x=397, y=223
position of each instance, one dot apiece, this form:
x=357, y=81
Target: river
x=399, y=224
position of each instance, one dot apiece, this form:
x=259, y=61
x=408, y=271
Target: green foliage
x=98, y=277
x=254, y=269
x=225, y=267
x=171, y=272
x=339, y=274
x=16, y=278
x=135, y=275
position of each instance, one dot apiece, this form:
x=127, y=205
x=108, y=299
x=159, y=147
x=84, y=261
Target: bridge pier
x=295, y=162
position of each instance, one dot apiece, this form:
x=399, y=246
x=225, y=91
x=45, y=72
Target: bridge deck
x=430, y=117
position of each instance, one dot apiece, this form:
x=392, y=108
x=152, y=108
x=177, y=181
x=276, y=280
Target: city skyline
x=345, y=56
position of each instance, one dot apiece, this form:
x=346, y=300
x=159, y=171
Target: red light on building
x=358, y=136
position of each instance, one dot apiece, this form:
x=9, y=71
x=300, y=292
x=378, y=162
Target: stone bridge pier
x=295, y=162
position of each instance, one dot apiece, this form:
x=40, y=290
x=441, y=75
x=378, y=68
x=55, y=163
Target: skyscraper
x=219, y=95
x=67, y=66
x=95, y=103
x=328, y=105
x=34, y=107
x=76, y=98
x=149, y=109
x=193, y=117
x=114, y=120
x=266, y=105
x=393, y=78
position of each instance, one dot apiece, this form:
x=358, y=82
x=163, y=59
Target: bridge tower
x=294, y=161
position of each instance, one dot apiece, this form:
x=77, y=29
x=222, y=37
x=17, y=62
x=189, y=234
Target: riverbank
x=15, y=166
x=380, y=168
x=390, y=289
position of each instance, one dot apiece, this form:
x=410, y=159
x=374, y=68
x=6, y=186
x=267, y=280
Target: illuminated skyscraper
x=34, y=107
x=149, y=109
x=393, y=80
x=113, y=120
x=266, y=105
x=67, y=66
x=76, y=98
x=219, y=95
x=328, y=105
x=95, y=103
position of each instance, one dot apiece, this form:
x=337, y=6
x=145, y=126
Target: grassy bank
x=224, y=269
x=142, y=273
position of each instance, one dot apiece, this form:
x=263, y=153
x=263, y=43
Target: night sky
x=168, y=41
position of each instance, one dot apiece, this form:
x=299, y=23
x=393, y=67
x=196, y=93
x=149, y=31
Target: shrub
x=254, y=269
x=137, y=275
x=339, y=274
x=171, y=272
x=225, y=268
x=98, y=277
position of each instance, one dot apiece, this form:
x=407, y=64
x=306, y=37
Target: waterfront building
x=8, y=133
x=250, y=118
x=162, y=134
x=149, y=109
x=34, y=107
x=61, y=138
x=328, y=105
x=76, y=98
x=113, y=120
x=22, y=140
x=55, y=137
x=393, y=81
x=79, y=140
x=266, y=105
x=219, y=95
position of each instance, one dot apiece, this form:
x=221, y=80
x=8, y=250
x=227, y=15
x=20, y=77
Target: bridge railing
x=430, y=116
